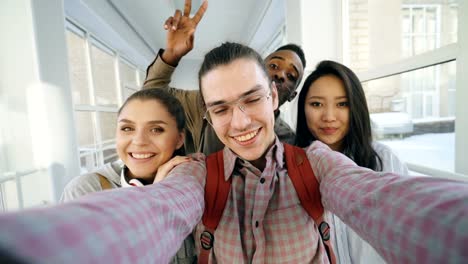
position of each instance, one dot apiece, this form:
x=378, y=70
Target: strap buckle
x=207, y=240
x=324, y=230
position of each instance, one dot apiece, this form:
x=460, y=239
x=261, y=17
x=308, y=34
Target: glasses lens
x=220, y=115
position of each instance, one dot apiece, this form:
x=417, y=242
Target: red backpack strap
x=216, y=195
x=308, y=190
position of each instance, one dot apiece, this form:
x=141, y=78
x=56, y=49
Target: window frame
x=99, y=146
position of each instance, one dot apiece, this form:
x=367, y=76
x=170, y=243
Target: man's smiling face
x=247, y=134
x=286, y=70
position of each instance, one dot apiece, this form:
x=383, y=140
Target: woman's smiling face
x=146, y=137
x=327, y=111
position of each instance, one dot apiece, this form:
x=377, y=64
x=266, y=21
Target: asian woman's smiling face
x=327, y=111
x=146, y=137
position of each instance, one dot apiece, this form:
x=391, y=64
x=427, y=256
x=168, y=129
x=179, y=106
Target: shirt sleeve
x=406, y=219
x=126, y=225
x=158, y=73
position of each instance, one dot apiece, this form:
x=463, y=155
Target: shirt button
x=262, y=180
x=256, y=223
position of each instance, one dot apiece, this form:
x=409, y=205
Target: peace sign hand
x=180, y=32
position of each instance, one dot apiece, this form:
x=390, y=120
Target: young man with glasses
x=406, y=219
x=285, y=66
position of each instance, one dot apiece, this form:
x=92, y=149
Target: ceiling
x=252, y=22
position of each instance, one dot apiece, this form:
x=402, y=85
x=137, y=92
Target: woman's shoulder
x=381, y=148
x=390, y=161
x=89, y=182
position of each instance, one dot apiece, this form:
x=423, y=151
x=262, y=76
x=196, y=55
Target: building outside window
x=395, y=47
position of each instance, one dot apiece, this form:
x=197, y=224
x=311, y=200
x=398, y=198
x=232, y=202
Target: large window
x=37, y=134
x=101, y=81
x=414, y=114
x=405, y=53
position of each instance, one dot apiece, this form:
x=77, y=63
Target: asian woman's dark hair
x=358, y=142
x=172, y=105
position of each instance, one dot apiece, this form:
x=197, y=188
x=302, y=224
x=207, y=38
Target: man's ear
x=180, y=140
x=292, y=96
x=274, y=96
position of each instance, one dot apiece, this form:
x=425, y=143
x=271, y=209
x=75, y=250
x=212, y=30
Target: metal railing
x=436, y=172
x=15, y=176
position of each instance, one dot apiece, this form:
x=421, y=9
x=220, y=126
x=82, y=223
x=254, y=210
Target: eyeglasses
x=221, y=114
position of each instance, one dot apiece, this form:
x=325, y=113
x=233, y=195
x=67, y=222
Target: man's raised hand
x=180, y=32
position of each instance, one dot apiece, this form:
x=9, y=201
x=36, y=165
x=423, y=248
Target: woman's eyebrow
x=156, y=122
x=152, y=122
x=123, y=120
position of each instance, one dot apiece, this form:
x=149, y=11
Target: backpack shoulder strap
x=105, y=184
x=308, y=190
x=216, y=195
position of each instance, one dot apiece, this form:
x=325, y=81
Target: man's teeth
x=142, y=156
x=247, y=136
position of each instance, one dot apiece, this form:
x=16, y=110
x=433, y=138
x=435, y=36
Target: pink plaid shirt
x=263, y=221
x=407, y=219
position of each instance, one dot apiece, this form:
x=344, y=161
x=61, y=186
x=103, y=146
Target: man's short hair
x=226, y=53
x=296, y=49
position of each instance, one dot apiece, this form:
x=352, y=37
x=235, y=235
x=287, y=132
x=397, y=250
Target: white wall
x=321, y=31
x=41, y=132
x=317, y=29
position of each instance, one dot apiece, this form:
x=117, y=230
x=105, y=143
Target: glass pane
x=107, y=124
x=78, y=68
x=406, y=46
x=431, y=21
x=406, y=20
x=85, y=128
x=110, y=155
x=127, y=92
x=88, y=162
x=414, y=113
x=419, y=44
x=128, y=75
x=383, y=32
x=9, y=195
x=418, y=20
x=416, y=103
x=105, y=84
x=36, y=188
x=16, y=148
x=453, y=24
x=431, y=42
